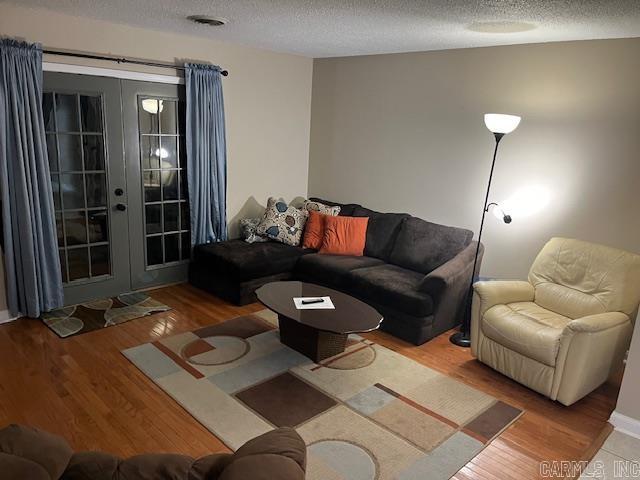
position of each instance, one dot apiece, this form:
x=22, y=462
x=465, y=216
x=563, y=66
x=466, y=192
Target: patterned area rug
x=91, y=316
x=367, y=414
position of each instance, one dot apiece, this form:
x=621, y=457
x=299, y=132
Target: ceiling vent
x=207, y=20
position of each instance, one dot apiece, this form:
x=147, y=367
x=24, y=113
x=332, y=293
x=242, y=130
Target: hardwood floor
x=83, y=389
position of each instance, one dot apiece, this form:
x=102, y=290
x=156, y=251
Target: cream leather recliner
x=567, y=329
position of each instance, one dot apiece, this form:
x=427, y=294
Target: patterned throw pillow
x=282, y=222
x=310, y=205
x=248, y=226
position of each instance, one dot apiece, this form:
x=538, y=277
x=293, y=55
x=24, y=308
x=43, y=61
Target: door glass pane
x=148, y=115
x=152, y=186
x=168, y=117
x=150, y=152
x=171, y=217
x=72, y=186
x=78, y=263
x=98, y=226
x=63, y=264
x=154, y=218
x=184, y=193
x=48, y=112
x=99, y=260
x=154, y=250
x=96, y=189
x=185, y=221
x=70, y=153
x=55, y=185
x=52, y=152
x=186, y=245
x=91, y=113
x=93, y=152
x=60, y=229
x=170, y=184
x=76, y=148
x=75, y=228
x=163, y=172
x=168, y=152
x=171, y=252
x=67, y=113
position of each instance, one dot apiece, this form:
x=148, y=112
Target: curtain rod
x=91, y=56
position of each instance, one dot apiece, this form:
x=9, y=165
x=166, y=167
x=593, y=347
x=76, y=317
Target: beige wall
x=267, y=97
x=628, y=403
x=405, y=132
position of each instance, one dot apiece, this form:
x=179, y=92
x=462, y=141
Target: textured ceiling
x=330, y=28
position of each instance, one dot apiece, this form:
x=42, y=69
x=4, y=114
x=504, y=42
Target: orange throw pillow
x=344, y=235
x=314, y=230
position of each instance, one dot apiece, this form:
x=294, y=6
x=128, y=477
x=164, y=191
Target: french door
x=117, y=162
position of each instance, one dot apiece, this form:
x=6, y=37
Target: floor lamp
x=499, y=124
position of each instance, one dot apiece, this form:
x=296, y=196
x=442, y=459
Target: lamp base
x=460, y=339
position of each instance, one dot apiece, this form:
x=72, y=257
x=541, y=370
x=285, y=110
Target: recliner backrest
x=576, y=278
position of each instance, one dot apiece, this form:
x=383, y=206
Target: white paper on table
x=326, y=305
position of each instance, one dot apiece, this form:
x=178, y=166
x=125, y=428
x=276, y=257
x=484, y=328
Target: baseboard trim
x=5, y=317
x=625, y=424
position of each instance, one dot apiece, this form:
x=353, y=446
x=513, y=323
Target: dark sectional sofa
x=415, y=273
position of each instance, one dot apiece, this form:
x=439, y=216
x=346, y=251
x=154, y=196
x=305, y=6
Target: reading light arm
x=506, y=218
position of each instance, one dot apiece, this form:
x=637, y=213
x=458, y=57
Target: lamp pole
x=463, y=337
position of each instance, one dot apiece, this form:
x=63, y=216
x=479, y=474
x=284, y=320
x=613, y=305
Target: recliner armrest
x=597, y=322
x=498, y=292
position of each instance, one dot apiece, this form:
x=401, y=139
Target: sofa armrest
x=284, y=442
x=449, y=273
x=280, y=454
x=597, y=322
x=498, y=292
x=448, y=286
x=37, y=450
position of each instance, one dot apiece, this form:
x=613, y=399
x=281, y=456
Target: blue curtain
x=32, y=264
x=206, y=154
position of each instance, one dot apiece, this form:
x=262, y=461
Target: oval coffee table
x=319, y=333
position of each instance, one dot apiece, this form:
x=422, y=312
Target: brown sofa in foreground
x=30, y=454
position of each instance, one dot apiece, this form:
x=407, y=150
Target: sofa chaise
x=416, y=273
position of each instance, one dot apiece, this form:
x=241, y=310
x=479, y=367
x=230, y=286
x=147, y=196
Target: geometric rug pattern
x=366, y=414
x=90, y=316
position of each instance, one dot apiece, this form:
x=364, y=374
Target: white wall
x=267, y=97
x=405, y=132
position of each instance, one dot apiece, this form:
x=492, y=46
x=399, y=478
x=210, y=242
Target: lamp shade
x=501, y=123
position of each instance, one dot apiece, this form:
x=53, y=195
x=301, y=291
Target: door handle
x=119, y=192
x=121, y=206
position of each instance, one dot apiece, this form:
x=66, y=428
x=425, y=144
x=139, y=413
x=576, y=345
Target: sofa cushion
x=392, y=286
x=246, y=261
x=332, y=270
x=249, y=227
x=424, y=246
x=314, y=231
x=346, y=209
x=526, y=328
x=315, y=206
x=382, y=231
x=344, y=235
x=283, y=223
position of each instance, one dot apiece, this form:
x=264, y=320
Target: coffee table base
x=315, y=344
